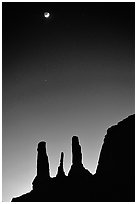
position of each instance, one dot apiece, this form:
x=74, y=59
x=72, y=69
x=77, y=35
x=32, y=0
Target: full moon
x=46, y=14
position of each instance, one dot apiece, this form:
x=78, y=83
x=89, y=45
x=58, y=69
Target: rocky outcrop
x=114, y=180
x=77, y=169
x=61, y=172
x=43, y=173
x=117, y=155
x=76, y=152
x=116, y=166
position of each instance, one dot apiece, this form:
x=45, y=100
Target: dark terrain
x=114, y=179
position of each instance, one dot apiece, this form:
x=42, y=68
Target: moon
x=46, y=14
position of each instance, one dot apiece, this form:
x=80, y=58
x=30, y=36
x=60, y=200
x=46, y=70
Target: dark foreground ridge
x=114, y=179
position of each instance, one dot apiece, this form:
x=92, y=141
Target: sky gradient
x=70, y=75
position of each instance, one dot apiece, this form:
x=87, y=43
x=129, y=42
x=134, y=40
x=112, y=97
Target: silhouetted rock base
x=70, y=190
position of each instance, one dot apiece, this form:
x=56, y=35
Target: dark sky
x=72, y=74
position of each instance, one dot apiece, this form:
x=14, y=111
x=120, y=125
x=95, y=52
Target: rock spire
x=76, y=151
x=43, y=172
x=60, y=168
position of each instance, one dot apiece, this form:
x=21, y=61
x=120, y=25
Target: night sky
x=72, y=74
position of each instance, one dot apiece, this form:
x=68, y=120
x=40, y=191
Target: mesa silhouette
x=114, y=179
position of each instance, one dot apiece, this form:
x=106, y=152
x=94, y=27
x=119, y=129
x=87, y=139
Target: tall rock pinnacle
x=76, y=151
x=43, y=173
x=77, y=169
x=60, y=168
x=42, y=161
x=77, y=165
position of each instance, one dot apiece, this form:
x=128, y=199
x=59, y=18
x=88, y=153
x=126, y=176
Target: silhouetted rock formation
x=43, y=173
x=76, y=152
x=61, y=172
x=114, y=179
x=116, y=166
x=77, y=168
